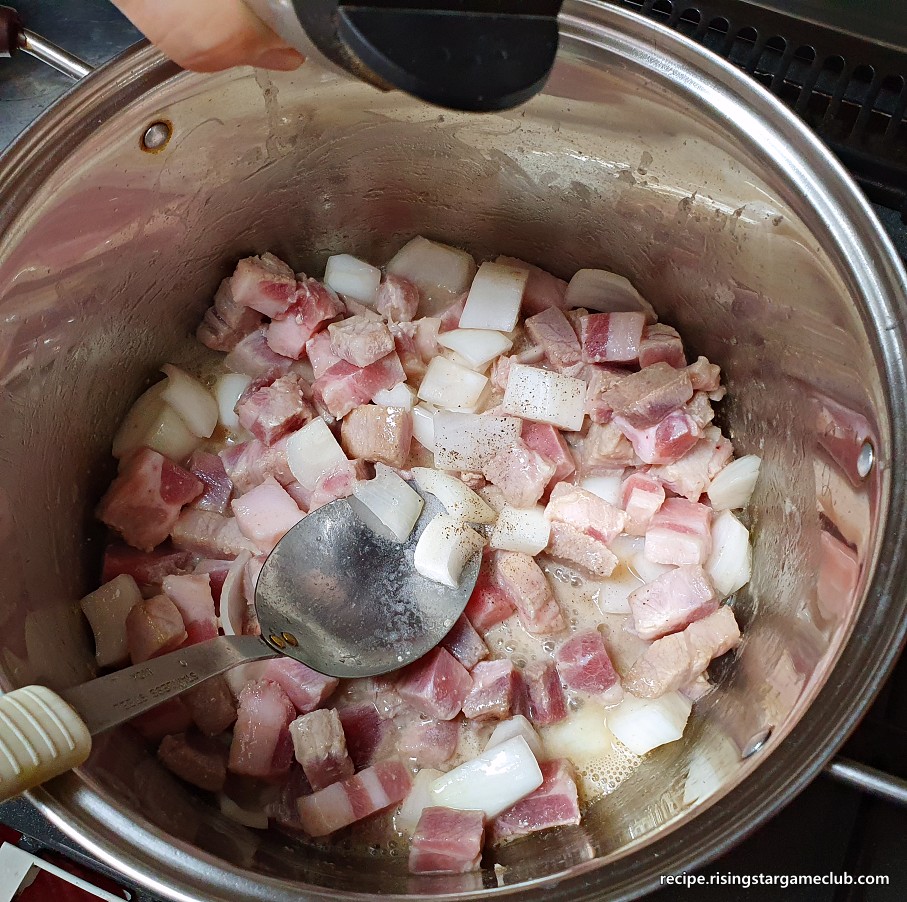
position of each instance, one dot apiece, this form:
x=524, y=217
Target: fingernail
x=285, y=59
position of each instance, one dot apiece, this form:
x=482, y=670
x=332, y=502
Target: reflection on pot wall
x=111, y=263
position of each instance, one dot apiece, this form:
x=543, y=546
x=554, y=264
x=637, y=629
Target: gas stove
x=842, y=67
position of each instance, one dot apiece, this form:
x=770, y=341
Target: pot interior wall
x=108, y=268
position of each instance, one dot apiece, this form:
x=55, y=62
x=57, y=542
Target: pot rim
x=177, y=870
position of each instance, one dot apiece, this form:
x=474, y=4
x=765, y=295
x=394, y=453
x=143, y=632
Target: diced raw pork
x=641, y=497
x=548, y=441
x=691, y=474
x=545, y=702
x=249, y=463
x=314, y=305
x=551, y=331
x=605, y=449
x=266, y=514
x=360, y=341
x=254, y=357
x=320, y=353
x=320, y=747
x=599, y=380
x=264, y=283
x=198, y=760
x=211, y=705
x=699, y=409
x=465, y=644
x=338, y=484
x=704, y=376
x=435, y=685
x=379, y=434
x=585, y=511
x=520, y=473
x=583, y=664
x=210, y=534
x=416, y=343
x=306, y=688
x=209, y=468
x=284, y=810
x=106, y=610
x=447, y=841
x=368, y=792
x=218, y=571
x=169, y=717
x=489, y=604
x=569, y=544
x=450, y=316
x=495, y=685
x=664, y=443
x=611, y=337
x=345, y=386
x=645, y=398
x=680, y=533
x=672, y=601
x=145, y=499
x=226, y=321
x=398, y=299
x=192, y=596
x=261, y=744
x=677, y=660
x=365, y=731
x=146, y=568
x=554, y=804
x=526, y=585
x=430, y=743
x=153, y=628
x=661, y=344
x=272, y=411
x=543, y=290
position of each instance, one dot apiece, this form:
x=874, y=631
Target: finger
x=210, y=35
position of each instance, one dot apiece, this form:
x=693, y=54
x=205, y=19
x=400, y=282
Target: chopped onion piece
x=477, y=346
x=459, y=500
x=492, y=781
x=257, y=820
x=607, y=487
x=627, y=547
x=450, y=385
x=240, y=676
x=440, y=271
x=354, y=278
x=444, y=548
x=612, y=596
x=227, y=391
x=729, y=565
x=516, y=726
x=732, y=486
x=153, y=423
x=467, y=441
x=645, y=569
x=232, y=598
x=419, y=798
x=521, y=529
x=494, y=298
x=424, y=426
x=606, y=292
x=643, y=724
x=401, y=395
x=392, y=501
x=191, y=400
x=313, y=452
x=106, y=609
x=582, y=736
x=546, y=397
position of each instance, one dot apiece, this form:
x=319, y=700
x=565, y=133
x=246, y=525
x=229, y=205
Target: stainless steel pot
x=644, y=155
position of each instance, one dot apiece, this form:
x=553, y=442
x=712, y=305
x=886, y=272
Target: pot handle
x=15, y=36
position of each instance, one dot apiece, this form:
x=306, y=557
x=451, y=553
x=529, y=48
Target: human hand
x=210, y=35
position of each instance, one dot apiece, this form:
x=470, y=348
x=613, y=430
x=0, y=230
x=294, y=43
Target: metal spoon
x=338, y=593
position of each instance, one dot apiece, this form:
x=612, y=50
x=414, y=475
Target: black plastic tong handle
x=461, y=54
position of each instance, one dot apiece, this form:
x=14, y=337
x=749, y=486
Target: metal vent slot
x=849, y=90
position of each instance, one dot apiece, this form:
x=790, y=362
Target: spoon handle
x=44, y=733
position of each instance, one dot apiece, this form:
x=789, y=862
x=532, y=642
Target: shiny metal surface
x=52, y=55
x=868, y=779
x=645, y=156
x=348, y=593
x=111, y=700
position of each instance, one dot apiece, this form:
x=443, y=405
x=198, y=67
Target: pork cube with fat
x=266, y=514
x=209, y=468
x=680, y=533
x=465, y=644
x=192, y=596
x=520, y=473
x=379, y=434
x=320, y=747
x=365, y=730
x=495, y=688
x=672, y=601
x=489, y=604
x=606, y=449
x=645, y=398
x=641, y=497
x=210, y=534
x=211, y=705
x=360, y=341
x=691, y=475
x=611, y=337
x=344, y=386
x=226, y=321
x=430, y=743
x=677, y=660
x=569, y=544
x=106, y=610
x=435, y=685
x=261, y=745
x=166, y=719
x=554, y=804
x=704, y=376
x=447, y=841
x=306, y=688
x=550, y=443
x=398, y=299
x=248, y=464
x=583, y=664
x=153, y=628
x=661, y=344
x=145, y=499
x=543, y=290
x=198, y=760
x=527, y=586
x=320, y=353
x=552, y=332
x=664, y=443
x=543, y=699
x=253, y=356
x=272, y=411
x=314, y=306
x=264, y=283
x=585, y=511
x=147, y=568
x=600, y=378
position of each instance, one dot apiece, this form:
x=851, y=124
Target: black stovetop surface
x=788, y=46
